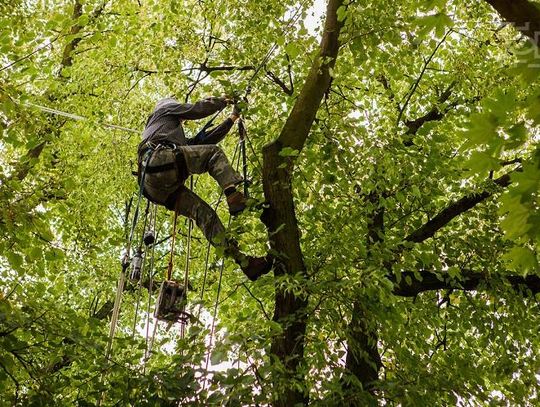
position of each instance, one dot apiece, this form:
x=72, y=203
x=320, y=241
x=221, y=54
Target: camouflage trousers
x=197, y=160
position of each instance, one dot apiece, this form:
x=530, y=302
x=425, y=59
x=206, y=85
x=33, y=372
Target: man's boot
x=257, y=266
x=236, y=202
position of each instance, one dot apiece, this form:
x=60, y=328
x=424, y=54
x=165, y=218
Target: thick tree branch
x=280, y=83
x=434, y=114
x=470, y=280
x=25, y=164
x=67, y=59
x=522, y=14
x=208, y=69
x=298, y=124
x=391, y=95
x=453, y=210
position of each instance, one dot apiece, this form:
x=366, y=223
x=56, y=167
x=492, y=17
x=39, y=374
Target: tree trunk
x=522, y=14
x=287, y=349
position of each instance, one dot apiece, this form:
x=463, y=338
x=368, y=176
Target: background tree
x=395, y=146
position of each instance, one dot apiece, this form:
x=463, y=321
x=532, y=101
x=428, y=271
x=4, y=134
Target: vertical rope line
x=150, y=288
x=173, y=240
x=139, y=289
x=188, y=255
x=253, y=150
x=242, y=134
x=141, y=272
x=152, y=339
x=214, y=313
x=116, y=311
x=203, y=287
x=125, y=265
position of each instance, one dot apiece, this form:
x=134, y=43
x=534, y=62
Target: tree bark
x=522, y=14
x=287, y=349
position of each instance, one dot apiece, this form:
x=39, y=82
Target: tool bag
x=162, y=171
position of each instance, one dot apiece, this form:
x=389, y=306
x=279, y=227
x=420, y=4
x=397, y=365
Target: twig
x=14, y=381
x=32, y=53
x=256, y=299
x=415, y=86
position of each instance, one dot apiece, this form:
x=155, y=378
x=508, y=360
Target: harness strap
x=160, y=168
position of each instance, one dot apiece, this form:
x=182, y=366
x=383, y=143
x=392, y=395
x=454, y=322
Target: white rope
x=77, y=117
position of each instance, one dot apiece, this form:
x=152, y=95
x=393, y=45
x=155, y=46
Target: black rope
x=141, y=271
x=125, y=262
x=203, y=287
x=242, y=136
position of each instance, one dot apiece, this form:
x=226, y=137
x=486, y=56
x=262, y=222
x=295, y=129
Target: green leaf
x=454, y=272
x=481, y=162
x=292, y=50
x=341, y=13
x=521, y=259
x=518, y=135
x=481, y=129
x=218, y=356
x=438, y=22
x=515, y=224
x=15, y=260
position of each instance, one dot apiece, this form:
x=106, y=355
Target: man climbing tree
x=167, y=158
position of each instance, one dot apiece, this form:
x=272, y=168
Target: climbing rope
x=266, y=58
x=139, y=273
x=125, y=264
x=188, y=255
x=242, y=142
x=218, y=293
x=168, y=275
x=150, y=289
x=78, y=118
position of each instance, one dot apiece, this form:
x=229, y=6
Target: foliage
x=428, y=104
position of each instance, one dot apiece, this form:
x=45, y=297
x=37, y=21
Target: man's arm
x=217, y=133
x=192, y=111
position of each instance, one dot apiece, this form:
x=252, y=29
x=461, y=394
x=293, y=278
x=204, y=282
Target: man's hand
x=232, y=99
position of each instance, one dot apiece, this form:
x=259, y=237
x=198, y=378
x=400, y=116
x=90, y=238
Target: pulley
x=149, y=237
